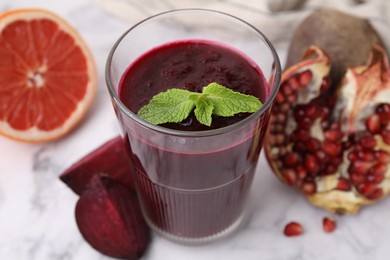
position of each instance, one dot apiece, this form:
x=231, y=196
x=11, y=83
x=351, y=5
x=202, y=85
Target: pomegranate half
x=333, y=143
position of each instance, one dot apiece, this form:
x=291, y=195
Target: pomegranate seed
x=309, y=187
x=325, y=84
x=280, y=118
x=293, y=82
x=367, y=156
x=357, y=177
x=301, y=135
x=321, y=156
x=287, y=90
x=365, y=188
x=284, y=107
x=311, y=111
x=299, y=113
x=375, y=194
x=289, y=176
x=299, y=147
x=305, y=78
x=379, y=168
x=279, y=99
x=386, y=136
x=293, y=229
x=368, y=142
x=329, y=224
x=335, y=161
x=382, y=156
x=353, y=156
x=305, y=123
x=373, y=124
x=291, y=159
x=292, y=98
x=343, y=184
x=360, y=166
x=313, y=145
x=375, y=178
x=383, y=111
x=279, y=139
x=330, y=169
x=324, y=113
x=301, y=172
x=333, y=135
x=332, y=149
x=335, y=126
x=311, y=163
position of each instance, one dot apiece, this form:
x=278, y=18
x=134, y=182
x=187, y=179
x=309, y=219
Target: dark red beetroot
x=110, y=158
x=110, y=219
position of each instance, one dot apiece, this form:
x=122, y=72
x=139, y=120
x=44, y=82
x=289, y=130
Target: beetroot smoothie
x=194, y=193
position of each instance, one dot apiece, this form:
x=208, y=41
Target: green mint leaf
x=173, y=105
x=204, y=110
x=227, y=102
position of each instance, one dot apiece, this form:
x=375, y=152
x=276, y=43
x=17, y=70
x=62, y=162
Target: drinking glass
x=193, y=185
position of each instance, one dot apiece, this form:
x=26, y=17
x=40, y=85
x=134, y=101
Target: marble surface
x=37, y=209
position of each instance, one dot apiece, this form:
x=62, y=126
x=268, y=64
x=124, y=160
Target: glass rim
x=230, y=128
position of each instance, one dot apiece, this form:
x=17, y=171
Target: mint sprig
x=175, y=105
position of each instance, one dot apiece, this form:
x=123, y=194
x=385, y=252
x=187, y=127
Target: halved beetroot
x=109, y=159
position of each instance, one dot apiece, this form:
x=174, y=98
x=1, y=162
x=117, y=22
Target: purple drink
x=192, y=180
x=191, y=65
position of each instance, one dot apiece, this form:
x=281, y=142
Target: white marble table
x=37, y=209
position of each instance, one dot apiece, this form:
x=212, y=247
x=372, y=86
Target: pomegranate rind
x=35, y=134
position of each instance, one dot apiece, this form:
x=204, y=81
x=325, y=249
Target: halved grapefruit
x=47, y=76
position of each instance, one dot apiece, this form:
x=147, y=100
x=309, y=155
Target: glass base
x=199, y=240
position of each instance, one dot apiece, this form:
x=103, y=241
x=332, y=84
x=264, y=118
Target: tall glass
x=193, y=185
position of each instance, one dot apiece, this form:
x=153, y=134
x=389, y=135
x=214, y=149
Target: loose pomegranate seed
x=305, y=78
x=292, y=98
x=343, y=184
x=293, y=229
x=373, y=124
x=329, y=224
x=329, y=169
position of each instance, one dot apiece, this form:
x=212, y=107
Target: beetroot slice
x=110, y=219
x=109, y=159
